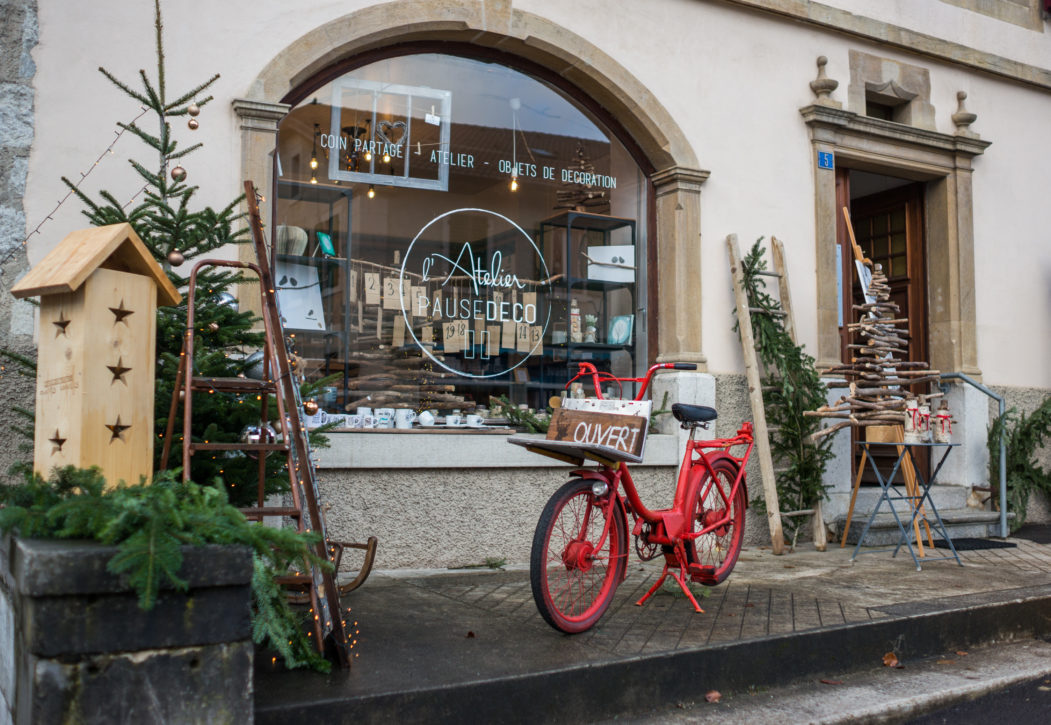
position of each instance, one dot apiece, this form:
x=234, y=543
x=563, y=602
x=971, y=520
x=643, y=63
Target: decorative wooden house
x=99, y=291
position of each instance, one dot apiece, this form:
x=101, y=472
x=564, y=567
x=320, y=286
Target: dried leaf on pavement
x=831, y=682
x=890, y=660
x=713, y=696
x=946, y=662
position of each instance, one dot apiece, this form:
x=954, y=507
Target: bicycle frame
x=668, y=527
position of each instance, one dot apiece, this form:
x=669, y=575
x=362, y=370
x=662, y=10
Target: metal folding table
x=920, y=500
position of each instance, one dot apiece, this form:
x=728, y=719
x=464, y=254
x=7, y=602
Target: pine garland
x=791, y=387
x=149, y=524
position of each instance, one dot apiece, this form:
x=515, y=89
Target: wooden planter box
x=75, y=647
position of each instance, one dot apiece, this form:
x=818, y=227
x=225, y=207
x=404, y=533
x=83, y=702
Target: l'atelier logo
x=460, y=285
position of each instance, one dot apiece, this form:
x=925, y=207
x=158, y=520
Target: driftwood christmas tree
x=877, y=380
x=582, y=197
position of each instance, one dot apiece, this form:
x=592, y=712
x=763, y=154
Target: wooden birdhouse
x=99, y=291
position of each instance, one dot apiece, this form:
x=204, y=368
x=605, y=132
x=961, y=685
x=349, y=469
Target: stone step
x=960, y=522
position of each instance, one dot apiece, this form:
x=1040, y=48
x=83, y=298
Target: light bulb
x=372, y=191
x=368, y=156
x=313, y=179
x=313, y=162
x=386, y=158
x=514, y=179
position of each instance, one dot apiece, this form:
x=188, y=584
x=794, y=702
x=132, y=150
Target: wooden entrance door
x=889, y=229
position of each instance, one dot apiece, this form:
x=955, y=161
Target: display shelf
x=316, y=309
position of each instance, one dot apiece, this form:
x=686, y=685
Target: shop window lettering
x=476, y=272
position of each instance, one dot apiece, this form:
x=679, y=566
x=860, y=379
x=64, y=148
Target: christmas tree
x=177, y=233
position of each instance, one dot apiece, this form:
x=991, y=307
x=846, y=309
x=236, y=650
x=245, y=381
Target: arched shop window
x=450, y=229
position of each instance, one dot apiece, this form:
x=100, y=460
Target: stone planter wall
x=75, y=647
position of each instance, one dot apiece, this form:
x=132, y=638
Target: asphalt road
x=1021, y=704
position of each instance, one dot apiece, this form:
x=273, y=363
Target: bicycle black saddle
x=693, y=413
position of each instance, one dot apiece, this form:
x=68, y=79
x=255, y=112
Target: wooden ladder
x=755, y=389
x=279, y=381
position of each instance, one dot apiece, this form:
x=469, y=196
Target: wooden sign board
x=620, y=433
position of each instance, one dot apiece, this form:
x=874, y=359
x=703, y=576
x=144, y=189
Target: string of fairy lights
x=178, y=174
x=108, y=151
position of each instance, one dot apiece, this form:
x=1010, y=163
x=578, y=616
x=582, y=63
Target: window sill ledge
x=349, y=450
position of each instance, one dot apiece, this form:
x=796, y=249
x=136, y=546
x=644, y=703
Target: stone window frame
x=941, y=160
x=1025, y=14
x=522, y=39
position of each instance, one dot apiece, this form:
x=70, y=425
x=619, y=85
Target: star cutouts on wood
x=119, y=313
x=117, y=430
x=56, y=442
x=118, y=371
x=61, y=323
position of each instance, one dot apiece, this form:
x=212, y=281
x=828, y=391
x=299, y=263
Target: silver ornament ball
x=178, y=173
x=175, y=258
x=258, y=434
x=228, y=300
x=193, y=123
x=193, y=109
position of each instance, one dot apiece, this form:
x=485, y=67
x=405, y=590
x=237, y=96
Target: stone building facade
x=687, y=120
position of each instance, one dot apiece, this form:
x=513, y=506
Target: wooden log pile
x=400, y=379
x=878, y=382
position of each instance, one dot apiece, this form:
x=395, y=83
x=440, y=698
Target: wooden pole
x=755, y=397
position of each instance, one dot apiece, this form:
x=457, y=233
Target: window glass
x=449, y=231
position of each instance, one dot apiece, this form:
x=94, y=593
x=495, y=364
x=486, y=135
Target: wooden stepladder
x=278, y=381
x=755, y=388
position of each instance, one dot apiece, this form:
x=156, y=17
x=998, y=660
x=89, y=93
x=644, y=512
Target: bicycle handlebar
x=586, y=369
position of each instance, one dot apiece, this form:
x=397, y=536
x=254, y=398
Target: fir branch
x=191, y=94
x=149, y=524
x=125, y=87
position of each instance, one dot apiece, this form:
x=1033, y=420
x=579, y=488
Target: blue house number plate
x=825, y=160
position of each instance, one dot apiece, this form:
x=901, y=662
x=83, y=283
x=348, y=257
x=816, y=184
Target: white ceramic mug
x=368, y=421
x=426, y=418
x=452, y=419
x=384, y=417
x=364, y=411
x=403, y=418
x=475, y=421
x=355, y=421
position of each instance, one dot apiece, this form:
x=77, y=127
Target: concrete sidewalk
x=470, y=646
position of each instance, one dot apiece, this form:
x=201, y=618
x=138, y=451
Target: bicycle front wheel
x=716, y=551
x=573, y=574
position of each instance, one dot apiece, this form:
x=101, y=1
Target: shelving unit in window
x=597, y=257
x=311, y=253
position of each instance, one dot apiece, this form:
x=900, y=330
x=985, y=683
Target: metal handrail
x=1003, y=458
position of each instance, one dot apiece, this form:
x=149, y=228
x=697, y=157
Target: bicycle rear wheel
x=716, y=551
x=573, y=578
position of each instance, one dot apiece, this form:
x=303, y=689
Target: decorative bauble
x=213, y=326
x=254, y=365
x=310, y=407
x=178, y=173
x=228, y=300
x=193, y=109
x=193, y=123
x=258, y=434
x=175, y=258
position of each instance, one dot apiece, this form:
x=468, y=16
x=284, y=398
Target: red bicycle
x=580, y=548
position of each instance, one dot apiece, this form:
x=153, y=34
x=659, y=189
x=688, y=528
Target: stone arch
x=495, y=25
